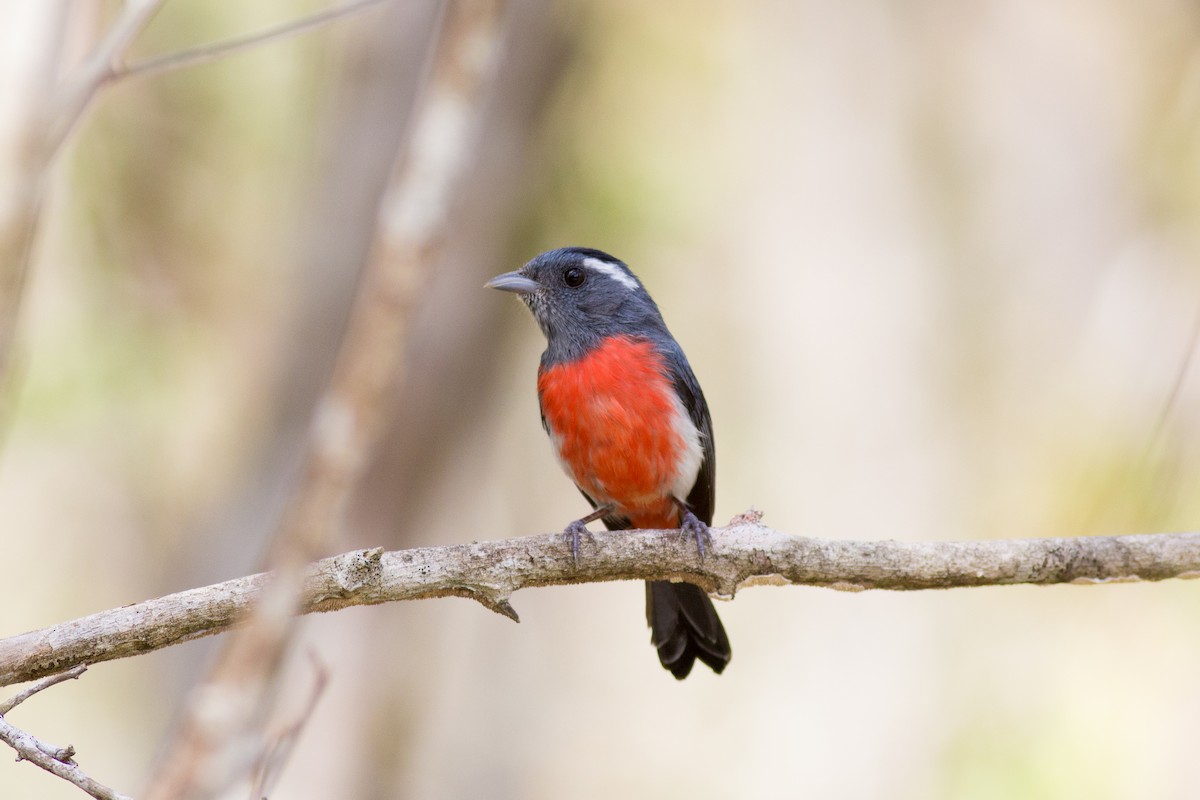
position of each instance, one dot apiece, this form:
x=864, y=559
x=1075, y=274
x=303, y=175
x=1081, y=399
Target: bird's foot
x=579, y=528
x=691, y=526
x=571, y=534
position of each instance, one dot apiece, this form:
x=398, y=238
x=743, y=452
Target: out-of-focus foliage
x=935, y=266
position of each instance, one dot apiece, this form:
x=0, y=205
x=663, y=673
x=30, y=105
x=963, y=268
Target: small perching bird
x=629, y=424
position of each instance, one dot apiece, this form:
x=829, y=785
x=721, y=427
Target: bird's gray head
x=581, y=296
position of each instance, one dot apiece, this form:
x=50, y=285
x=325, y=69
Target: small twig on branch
x=745, y=554
x=55, y=760
x=203, y=54
x=70, y=675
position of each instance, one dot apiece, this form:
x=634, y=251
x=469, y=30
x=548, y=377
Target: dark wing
x=683, y=623
x=702, y=498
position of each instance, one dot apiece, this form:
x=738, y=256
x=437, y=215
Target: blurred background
x=935, y=264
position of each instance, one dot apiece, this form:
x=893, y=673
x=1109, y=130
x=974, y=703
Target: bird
x=629, y=425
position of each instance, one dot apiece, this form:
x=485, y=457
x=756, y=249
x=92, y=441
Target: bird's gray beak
x=513, y=282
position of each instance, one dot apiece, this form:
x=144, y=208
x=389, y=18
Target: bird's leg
x=691, y=526
x=579, y=528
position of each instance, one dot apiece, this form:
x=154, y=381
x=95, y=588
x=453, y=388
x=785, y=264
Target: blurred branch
x=36, y=137
x=276, y=756
x=203, y=54
x=744, y=554
x=1172, y=400
x=220, y=738
x=56, y=760
x=50, y=114
x=99, y=69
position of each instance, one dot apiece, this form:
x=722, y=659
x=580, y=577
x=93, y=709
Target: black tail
x=684, y=626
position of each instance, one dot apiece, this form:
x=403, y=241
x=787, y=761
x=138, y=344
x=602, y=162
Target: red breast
x=620, y=431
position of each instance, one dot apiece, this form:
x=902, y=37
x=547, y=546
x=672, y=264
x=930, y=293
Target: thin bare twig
x=744, y=554
x=220, y=738
x=1172, y=400
x=203, y=54
x=70, y=675
x=58, y=761
x=273, y=759
x=99, y=69
x=30, y=749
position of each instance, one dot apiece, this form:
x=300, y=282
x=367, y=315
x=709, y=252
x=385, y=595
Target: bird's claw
x=572, y=533
x=690, y=525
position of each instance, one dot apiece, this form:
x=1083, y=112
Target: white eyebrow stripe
x=612, y=271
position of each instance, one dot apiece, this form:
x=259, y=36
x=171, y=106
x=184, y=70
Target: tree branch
x=55, y=760
x=744, y=554
x=203, y=54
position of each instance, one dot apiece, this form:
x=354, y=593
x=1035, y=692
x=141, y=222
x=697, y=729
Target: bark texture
x=743, y=554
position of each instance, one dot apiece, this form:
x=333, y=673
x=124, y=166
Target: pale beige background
x=934, y=263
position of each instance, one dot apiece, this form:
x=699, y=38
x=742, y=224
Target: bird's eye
x=573, y=277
